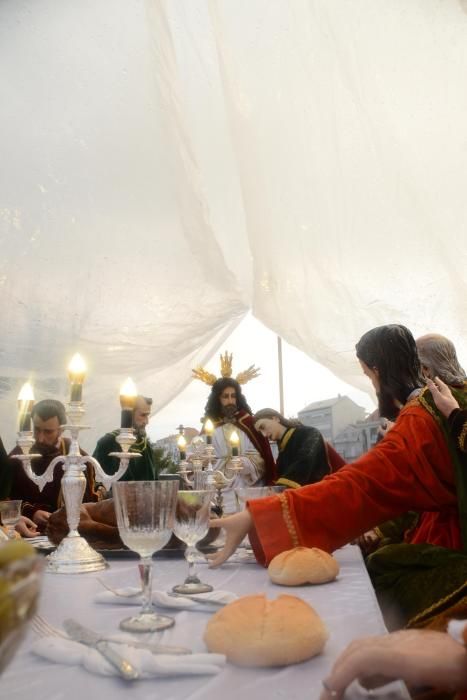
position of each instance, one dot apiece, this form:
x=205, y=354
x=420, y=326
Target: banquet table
x=348, y=607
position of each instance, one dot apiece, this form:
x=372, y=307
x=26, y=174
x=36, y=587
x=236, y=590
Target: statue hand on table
x=236, y=527
x=26, y=527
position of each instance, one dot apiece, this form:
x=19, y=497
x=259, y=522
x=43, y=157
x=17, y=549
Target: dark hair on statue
x=272, y=413
x=49, y=408
x=213, y=407
x=392, y=351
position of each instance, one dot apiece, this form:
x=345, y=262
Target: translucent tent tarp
x=167, y=166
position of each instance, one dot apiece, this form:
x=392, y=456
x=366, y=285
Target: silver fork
x=44, y=629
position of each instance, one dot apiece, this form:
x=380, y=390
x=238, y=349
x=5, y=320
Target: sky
x=305, y=381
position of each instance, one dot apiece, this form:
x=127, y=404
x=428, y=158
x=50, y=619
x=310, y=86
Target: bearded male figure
x=228, y=409
x=48, y=417
x=143, y=469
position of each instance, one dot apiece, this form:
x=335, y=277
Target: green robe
x=141, y=469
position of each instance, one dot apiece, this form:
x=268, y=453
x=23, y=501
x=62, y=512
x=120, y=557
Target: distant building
x=357, y=438
x=331, y=416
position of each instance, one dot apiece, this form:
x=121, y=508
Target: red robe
x=244, y=420
x=410, y=469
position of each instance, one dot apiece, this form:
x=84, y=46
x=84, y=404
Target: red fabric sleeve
x=268, y=537
x=410, y=469
x=441, y=529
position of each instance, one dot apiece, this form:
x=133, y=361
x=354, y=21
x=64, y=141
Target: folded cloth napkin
x=391, y=691
x=65, y=651
x=131, y=596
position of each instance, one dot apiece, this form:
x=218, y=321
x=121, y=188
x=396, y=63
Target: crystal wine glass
x=191, y=525
x=10, y=515
x=145, y=516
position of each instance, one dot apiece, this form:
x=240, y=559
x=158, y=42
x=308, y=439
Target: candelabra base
x=74, y=556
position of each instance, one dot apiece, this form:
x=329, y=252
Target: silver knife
x=196, y=599
x=154, y=648
x=86, y=636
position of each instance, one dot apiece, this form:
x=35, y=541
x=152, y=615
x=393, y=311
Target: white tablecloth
x=348, y=607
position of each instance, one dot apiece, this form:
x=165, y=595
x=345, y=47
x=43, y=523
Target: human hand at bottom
x=236, y=527
x=418, y=657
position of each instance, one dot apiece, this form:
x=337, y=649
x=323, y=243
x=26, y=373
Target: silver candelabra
x=74, y=554
x=209, y=478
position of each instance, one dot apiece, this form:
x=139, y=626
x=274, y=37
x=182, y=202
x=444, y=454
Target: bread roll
x=255, y=631
x=303, y=565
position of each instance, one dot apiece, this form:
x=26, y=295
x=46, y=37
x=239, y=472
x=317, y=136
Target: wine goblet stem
x=190, y=554
x=145, y=570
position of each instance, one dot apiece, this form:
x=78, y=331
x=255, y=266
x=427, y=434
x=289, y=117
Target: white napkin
x=390, y=691
x=123, y=596
x=65, y=651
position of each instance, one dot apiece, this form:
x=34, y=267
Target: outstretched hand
x=236, y=527
x=26, y=527
x=442, y=396
x=419, y=657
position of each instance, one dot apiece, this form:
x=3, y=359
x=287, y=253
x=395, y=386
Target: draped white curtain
x=165, y=166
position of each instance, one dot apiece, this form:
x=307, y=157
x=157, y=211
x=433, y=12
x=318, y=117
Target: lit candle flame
x=26, y=393
x=209, y=427
x=181, y=442
x=234, y=438
x=77, y=369
x=128, y=388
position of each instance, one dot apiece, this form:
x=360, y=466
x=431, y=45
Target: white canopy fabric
x=166, y=166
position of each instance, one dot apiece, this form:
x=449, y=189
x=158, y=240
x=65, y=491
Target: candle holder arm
x=109, y=479
x=40, y=480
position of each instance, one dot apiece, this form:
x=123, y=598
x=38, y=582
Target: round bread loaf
x=255, y=631
x=301, y=565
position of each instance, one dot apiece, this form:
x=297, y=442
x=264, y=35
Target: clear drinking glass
x=10, y=514
x=191, y=525
x=145, y=516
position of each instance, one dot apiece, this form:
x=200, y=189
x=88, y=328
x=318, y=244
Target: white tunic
x=252, y=462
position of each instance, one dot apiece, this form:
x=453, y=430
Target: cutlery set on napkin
x=202, y=602
x=123, y=656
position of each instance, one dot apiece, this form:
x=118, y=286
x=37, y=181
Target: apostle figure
x=48, y=417
x=304, y=455
x=143, y=469
x=228, y=410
